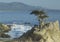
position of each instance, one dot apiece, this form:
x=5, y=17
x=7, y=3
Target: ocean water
x=24, y=17
x=18, y=30
x=17, y=16
x=53, y=15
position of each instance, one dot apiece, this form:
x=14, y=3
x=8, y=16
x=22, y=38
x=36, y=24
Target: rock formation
x=49, y=33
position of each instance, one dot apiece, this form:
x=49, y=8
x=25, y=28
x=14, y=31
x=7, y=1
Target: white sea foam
x=18, y=30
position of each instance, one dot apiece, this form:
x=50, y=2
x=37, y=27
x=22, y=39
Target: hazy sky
x=51, y=4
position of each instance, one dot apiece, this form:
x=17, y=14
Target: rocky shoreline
x=50, y=33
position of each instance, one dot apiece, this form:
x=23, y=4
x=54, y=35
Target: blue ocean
x=25, y=17
x=18, y=17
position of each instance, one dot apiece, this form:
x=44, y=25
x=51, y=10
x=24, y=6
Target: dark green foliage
x=37, y=12
x=41, y=15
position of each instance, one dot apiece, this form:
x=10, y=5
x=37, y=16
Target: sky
x=50, y=4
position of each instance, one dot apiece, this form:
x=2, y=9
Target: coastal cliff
x=50, y=33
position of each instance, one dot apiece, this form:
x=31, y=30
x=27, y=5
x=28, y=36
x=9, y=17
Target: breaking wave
x=18, y=30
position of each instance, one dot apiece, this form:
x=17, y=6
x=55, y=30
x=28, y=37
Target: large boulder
x=4, y=28
x=51, y=33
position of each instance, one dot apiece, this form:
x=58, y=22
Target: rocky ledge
x=50, y=33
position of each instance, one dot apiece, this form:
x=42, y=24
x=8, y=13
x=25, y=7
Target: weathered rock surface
x=49, y=33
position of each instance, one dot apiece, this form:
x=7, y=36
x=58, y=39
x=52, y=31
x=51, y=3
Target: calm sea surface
x=17, y=16
x=25, y=17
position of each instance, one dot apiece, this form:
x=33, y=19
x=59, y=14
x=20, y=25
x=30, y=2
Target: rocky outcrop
x=3, y=29
x=54, y=25
x=50, y=33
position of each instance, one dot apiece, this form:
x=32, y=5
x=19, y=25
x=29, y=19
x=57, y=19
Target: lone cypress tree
x=40, y=15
